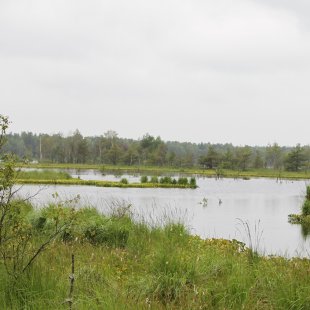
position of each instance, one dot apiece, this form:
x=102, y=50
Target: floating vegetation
x=123, y=183
x=303, y=218
x=63, y=178
x=42, y=175
x=204, y=202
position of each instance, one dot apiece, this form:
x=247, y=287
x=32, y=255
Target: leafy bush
x=154, y=179
x=306, y=208
x=183, y=181
x=89, y=225
x=192, y=182
x=109, y=234
x=144, y=179
x=165, y=180
x=124, y=181
x=39, y=222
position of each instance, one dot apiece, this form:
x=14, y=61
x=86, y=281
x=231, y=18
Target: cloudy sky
x=188, y=70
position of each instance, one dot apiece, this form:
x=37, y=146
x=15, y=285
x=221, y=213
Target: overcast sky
x=188, y=70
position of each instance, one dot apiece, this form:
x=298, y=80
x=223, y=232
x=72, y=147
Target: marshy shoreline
x=127, y=265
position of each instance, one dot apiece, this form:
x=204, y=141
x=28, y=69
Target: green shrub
x=183, y=181
x=109, y=234
x=192, y=182
x=124, y=181
x=165, y=180
x=23, y=208
x=52, y=218
x=144, y=179
x=306, y=208
x=39, y=222
x=308, y=193
x=154, y=179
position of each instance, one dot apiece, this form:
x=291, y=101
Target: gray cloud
x=299, y=8
x=218, y=71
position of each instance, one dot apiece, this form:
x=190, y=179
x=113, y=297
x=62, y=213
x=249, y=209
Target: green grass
x=152, y=170
x=101, y=183
x=120, y=264
x=43, y=175
x=63, y=178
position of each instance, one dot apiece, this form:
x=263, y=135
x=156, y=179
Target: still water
x=217, y=208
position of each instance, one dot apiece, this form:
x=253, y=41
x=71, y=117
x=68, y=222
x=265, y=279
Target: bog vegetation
x=122, y=264
x=63, y=178
x=304, y=217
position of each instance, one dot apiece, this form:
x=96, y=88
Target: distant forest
x=150, y=150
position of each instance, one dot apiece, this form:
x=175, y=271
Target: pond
x=217, y=208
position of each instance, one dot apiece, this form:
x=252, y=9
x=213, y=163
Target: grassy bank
x=51, y=177
x=123, y=265
x=151, y=170
x=43, y=175
x=100, y=183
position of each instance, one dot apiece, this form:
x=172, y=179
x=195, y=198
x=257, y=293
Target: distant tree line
x=150, y=150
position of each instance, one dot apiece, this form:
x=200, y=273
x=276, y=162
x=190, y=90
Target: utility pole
x=40, y=148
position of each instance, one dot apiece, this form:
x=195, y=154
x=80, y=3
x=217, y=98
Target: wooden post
x=71, y=278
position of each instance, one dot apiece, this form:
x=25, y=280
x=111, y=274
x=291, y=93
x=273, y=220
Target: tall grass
x=151, y=268
x=252, y=236
x=43, y=175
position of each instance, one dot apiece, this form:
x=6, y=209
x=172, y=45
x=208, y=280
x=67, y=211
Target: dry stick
x=71, y=277
x=40, y=249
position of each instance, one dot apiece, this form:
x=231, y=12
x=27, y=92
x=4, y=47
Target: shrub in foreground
x=306, y=208
x=152, y=268
x=144, y=179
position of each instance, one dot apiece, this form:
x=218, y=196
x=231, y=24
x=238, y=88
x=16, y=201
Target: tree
x=296, y=159
x=131, y=156
x=114, y=154
x=258, y=160
x=307, y=157
x=228, y=160
x=243, y=157
x=171, y=158
x=147, y=141
x=274, y=156
x=153, y=150
x=4, y=124
x=212, y=159
x=113, y=150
